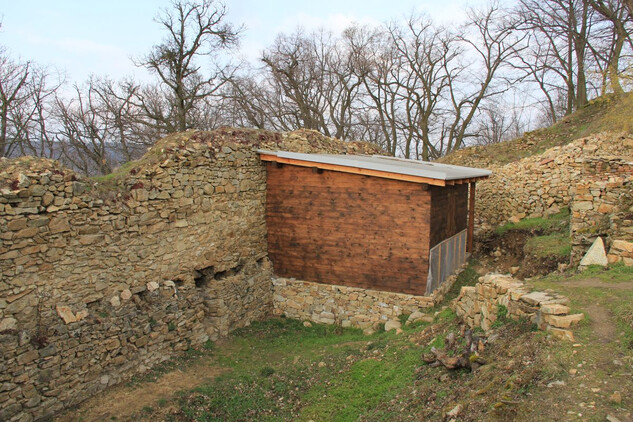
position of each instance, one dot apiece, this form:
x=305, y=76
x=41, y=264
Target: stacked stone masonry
x=102, y=279
x=592, y=176
x=348, y=306
x=603, y=206
x=544, y=183
x=480, y=305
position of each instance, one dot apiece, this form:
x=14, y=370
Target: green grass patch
x=502, y=317
x=282, y=370
x=367, y=383
x=615, y=273
x=549, y=245
x=122, y=171
x=609, y=113
x=558, y=222
x=468, y=277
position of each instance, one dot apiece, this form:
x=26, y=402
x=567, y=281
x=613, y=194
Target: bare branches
x=415, y=88
x=619, y=18
x=13, y=94
x=194, y=29
x=25, y=93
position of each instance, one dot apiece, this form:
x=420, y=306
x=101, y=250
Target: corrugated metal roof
x=388, y=164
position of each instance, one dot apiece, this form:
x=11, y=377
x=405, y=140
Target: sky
x=91, y=37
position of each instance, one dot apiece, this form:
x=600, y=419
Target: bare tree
x=491, y=37
x=87, y=132
x=13, y=94
x=194, y=29
x=26, y=93
x=498, y=122
x=33, y=120
x=619, y=16
x=376, y=65
x=559, y=31
x=307, y=81
x=427, y=54
x=425, y=84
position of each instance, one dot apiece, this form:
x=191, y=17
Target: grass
x=617, y=301
x=557, y=222
x=539, y=243
x=593, y=355
x=367, y=383
x=614, y=273
x=279, y=363
x=281, y=370
x=110, y=183
x=122, y=171
x=549, y=245
x=468, y=277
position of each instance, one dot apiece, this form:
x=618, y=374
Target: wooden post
x=471, y=217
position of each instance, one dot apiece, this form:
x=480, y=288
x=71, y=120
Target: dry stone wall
x=348, y=306
x=592, y=176
x=603, y=207
x=103, y=279
x=479, y=305
x=544, y=183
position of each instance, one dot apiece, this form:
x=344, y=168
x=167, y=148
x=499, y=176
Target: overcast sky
x=84, y=37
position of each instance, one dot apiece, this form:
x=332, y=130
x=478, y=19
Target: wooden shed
x=374, y=222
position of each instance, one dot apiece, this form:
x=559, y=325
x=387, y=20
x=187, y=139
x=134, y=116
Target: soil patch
x=506, y=251
x=601, y=323
x=122, y=402
x=502, y=252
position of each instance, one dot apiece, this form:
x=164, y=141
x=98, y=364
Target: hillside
x=604, y=114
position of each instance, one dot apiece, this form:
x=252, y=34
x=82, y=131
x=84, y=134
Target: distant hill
x=604, y=114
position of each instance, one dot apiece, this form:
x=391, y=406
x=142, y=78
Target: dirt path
x=120, y=403
x=602, y=319
x=597, y=283
x=602, y=323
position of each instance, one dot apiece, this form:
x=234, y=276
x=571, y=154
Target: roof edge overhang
x=300, y=160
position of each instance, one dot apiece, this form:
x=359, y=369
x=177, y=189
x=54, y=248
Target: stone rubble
x=479, y=305
x=544, y=183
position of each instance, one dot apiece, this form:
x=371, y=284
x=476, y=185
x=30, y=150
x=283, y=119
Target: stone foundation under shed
x=348, y=306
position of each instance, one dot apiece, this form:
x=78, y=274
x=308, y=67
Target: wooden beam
x=467, y=180
x=366, y=172
x=354, y=170
x=471, y=217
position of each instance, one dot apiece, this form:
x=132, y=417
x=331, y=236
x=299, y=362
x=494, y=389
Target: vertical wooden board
x=449, y=209
x=348, y=229
x=471, y=216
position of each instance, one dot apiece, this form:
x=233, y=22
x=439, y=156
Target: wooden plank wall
x=348, y=229
x=449, y=211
